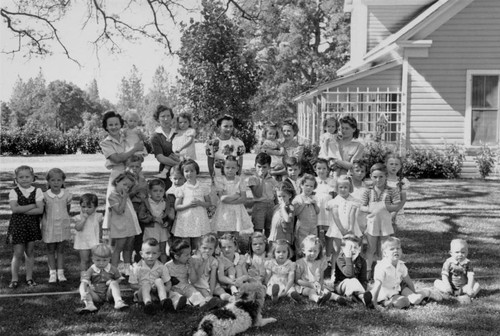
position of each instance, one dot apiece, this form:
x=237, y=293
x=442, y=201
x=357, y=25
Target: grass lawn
x=437, y=211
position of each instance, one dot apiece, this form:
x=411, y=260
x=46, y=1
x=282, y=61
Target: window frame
x=468, y=103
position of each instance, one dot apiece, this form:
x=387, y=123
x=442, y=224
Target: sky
x=108, y=69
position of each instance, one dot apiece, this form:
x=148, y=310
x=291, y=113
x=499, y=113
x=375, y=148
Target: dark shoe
x=324, y=299
x=342, y=301
x=296, y=297
x=31, y=283
x=167, y=305
x=149, y=308
x=367, y=299
x=13, y=284
x=182, y=303
x=212, y=304
x=275, y=290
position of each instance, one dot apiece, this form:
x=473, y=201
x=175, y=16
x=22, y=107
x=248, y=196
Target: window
x=483, y=108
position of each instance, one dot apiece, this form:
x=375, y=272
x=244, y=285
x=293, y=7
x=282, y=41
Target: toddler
x=183, y=143
x=26, y=203
x=329, y=147
x=56, y=223
x=100, y=282
x=231, y=215
x=153, y=215
x=132, y=133
x=204, y=268
x=399, y=183
x=256, y=258
x=357, y=173
x=325, y=191
x=231, y=272
x=280, y=272
x=271, y=145
x=283, y=214
x=294, y=171
x=149, y=277
x=393, y=286
x=87, y=227
x=262, y=186
x=457, y=274
x=179, y=268
x=350, y=271
x=310, y=272
x=306, y=210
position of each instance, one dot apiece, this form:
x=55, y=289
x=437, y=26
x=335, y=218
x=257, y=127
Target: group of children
x=299, y=226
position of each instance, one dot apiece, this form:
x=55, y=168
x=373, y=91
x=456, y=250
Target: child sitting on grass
x=393, y=286
x=457, y=274
x=100, y=282
x=150, y=277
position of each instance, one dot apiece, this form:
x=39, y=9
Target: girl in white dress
x=191, y=203
x=231, y=215
x=183, y=143
x=56, y=223
x=280, y=271
x=325, y=191
x=343, y=209
x=87, y=227
x=357, y=173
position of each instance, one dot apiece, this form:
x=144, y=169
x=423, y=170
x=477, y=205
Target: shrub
x=485, y=160
x=309, y=158
x=375, y=152
x=432, y=163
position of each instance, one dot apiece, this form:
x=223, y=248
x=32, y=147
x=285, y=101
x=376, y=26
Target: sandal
x=31, y=283
x=14, y=284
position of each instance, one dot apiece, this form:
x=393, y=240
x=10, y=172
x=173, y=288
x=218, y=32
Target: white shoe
x=52, y=278
x=61, y=277
x=120, y=305
x=435, y=295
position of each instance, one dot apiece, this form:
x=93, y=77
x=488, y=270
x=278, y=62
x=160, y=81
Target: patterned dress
x=24, y=228
x=220, y=149
x=279, y=275
x=192, y=222
x=307, y=219
x=125, y=224
x=55, y=221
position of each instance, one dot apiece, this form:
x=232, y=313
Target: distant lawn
x=437, y=211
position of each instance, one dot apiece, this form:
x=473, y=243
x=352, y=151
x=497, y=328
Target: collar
x=26, y=190
x=463, y=262
x=110, y=138
x=159, y=130
x=52, y=195
x=98, y=270
x=320, y=181
x=142, y=263
x=154, y=202
x=385, y=263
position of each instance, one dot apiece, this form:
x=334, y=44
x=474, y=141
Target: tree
x=131, y=95
x=93, y=91
x=6, y=114
x=27, y=99
x=219, y=76
x=298, y=44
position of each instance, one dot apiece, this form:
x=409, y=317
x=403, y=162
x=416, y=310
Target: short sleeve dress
x=324, y=192
x=220, y=149
x=310, y=272
x=181, y=138
x=279, y=275
x=24, y=228
x=89, y=236
x=345, y=206
x=56, y=225
x=191, y=222
x=125, y=224
x=231, y=217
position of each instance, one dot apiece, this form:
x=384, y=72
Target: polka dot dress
x=24, y=228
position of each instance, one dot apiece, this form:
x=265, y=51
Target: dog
x=238, y=316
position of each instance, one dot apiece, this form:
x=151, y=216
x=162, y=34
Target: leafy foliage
x=433, y=163
x=219, y=75
x=375, y=152
x=485, y=160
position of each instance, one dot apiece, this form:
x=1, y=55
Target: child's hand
x=317, y=287
x=123, y=193
x=84, y=215
x=108, y=282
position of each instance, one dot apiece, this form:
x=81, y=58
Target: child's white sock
x=60, y=276
x=52, y=276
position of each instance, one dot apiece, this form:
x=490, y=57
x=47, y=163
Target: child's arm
x=38, y=210
x=195, y=270
x=352, y=218
x=168, y=286
x=206, y=203
x=16, y=208
x=256, y=186
x=187, y=144
x=298, y=206
x=392, y=203
x=375, y=291
x=213, y=276
x=223, y=279
x=298, y=278
x=315, y=204
x=144, y=215
x=409, y=283
x=122, y=157
x=291, y=280
x=336, y=220
x=81, y=223
x=118, y=202
x=179, y=206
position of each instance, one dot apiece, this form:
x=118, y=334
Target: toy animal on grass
x=238, y=316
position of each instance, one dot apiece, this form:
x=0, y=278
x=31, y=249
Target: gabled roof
x=420, y=27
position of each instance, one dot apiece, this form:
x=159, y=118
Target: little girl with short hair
x=309, y=274
x=256, y=257
x=280, y=271
x=231, y=215
x=271, y=145
x=87, y=227
x=56, y=226
x=357, y=173
x=232, y=271
x=306, y=210
x=191, y=203
x=325, y=191
x=183, y=142
x=396, y=180
x=26, y=203
x=123, y=222
x=283, y=214
x=329, y=147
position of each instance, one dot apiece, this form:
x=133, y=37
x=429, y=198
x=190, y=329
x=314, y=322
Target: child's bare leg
x=144, y=292
x=30, y=259
x=117, y=250
x=51, y=256
x=160, y=287
x=329, y=249
x=128, y=249
x=222, y=294
x=163, y=252
x=399, y=302
x=60, y=255
x=414, y=298
x=472, y=289
x=16, y=261
x=370, y=253
x=337, y=244
x=84, y=260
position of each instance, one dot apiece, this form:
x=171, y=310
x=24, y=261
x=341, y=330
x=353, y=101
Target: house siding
x=386, y=20
x=390, y=78
x=468, y=41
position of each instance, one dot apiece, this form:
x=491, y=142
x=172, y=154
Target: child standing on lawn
x=378, y=201
x=191, y=203
x=150, y=278
x=257, y=258
x=231, y=215
x=26, y=203
x=343, y=209
x=359, y=186
x=262, y=186
x=310, y=272
x=280, y=272
x=396, y=181
x=325, y=191
x=88, y=227
x=458, y=274
x=350, y=271
x=56, y=223
x=153, y=215
x=306, y=210
x=183, y=142
x=100, y=282
x=123, y=222
x=283, y=214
